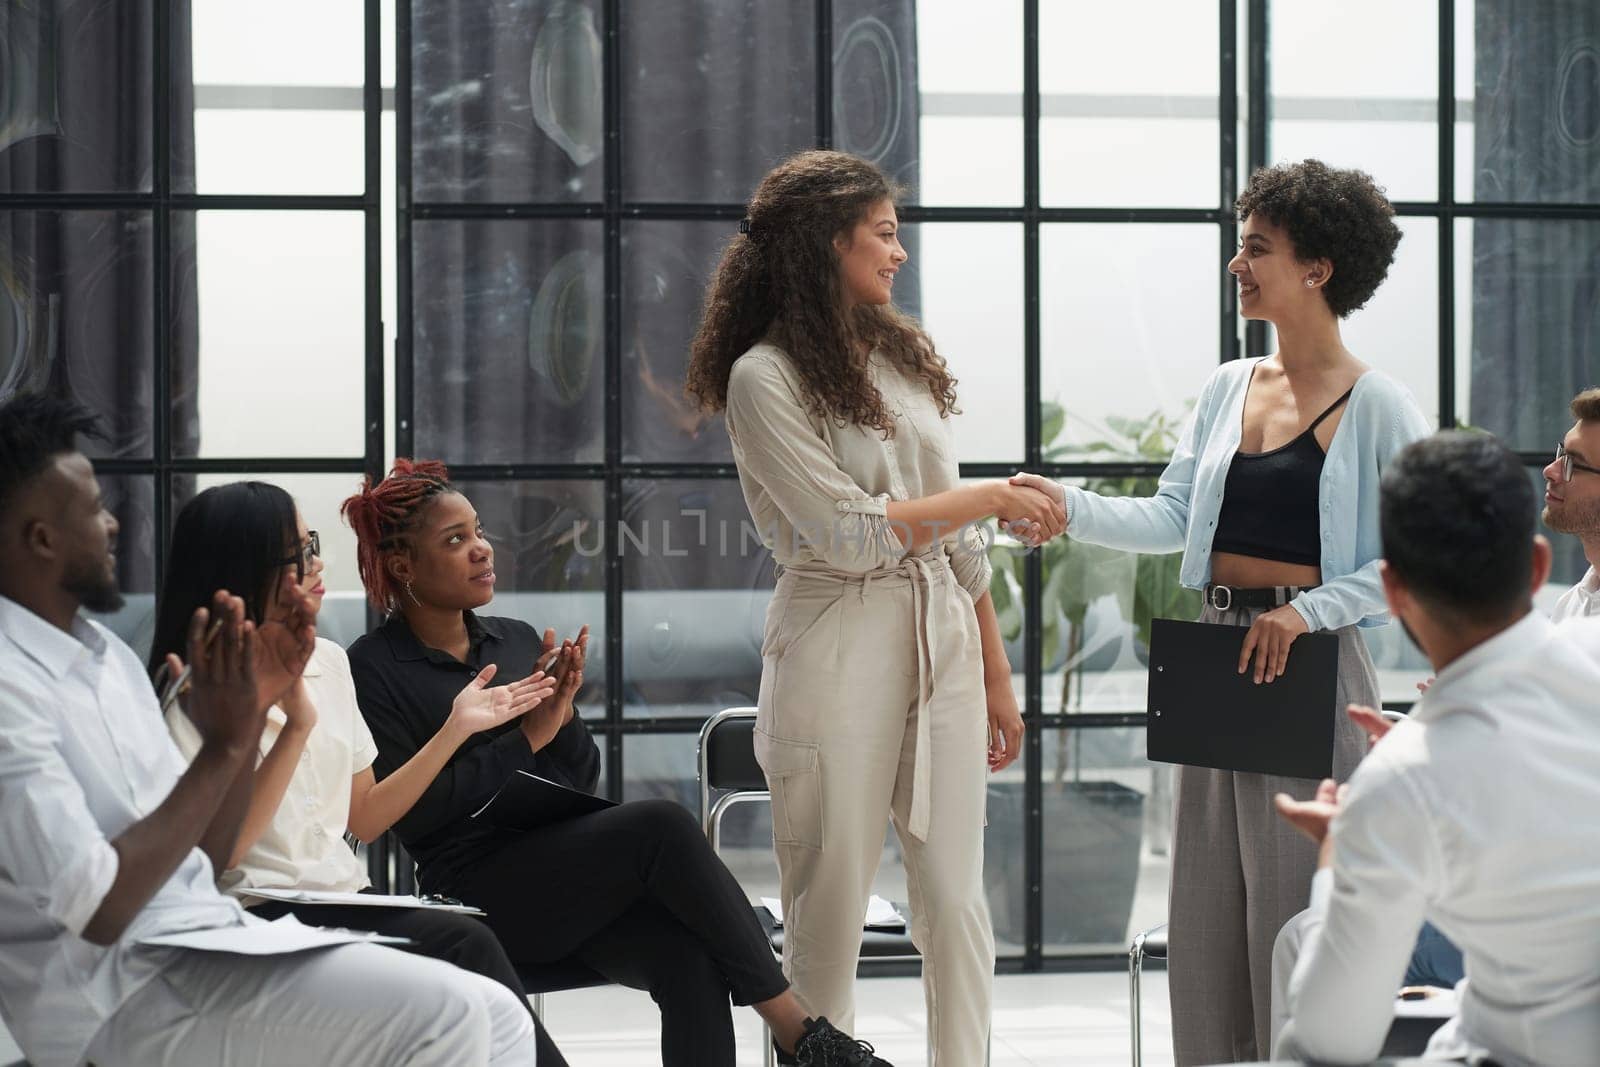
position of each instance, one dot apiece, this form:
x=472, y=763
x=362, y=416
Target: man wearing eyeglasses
x=1572, y=501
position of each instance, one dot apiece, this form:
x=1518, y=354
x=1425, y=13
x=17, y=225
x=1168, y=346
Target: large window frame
x=1243, y=82
x=1243, y=109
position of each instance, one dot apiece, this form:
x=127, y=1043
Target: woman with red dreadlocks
x=633, y=892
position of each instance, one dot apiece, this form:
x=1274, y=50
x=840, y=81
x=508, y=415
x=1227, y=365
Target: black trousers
x=635, y=893
x=463, y=940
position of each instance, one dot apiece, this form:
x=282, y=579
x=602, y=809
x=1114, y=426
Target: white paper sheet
x=366, y=900
x=277, y=938
x=1440, y=1004
x=879, y=912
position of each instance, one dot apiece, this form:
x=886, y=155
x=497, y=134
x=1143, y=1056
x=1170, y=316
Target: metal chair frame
x=1138, y=952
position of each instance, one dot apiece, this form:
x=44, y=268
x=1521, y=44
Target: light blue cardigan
x=1381, y=419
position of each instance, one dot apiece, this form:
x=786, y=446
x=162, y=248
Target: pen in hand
x=179, y=685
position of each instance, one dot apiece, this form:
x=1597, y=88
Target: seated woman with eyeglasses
x=633, y=892
x=314, y=778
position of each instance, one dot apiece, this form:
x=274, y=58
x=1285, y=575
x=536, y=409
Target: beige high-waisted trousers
x=872, y=708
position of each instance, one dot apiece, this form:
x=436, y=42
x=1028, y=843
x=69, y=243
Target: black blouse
x=405, y=690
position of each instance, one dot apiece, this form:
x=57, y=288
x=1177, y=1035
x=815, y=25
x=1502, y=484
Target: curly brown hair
x=1338, y=215
x=779, y=281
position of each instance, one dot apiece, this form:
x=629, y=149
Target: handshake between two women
x=1032, y=509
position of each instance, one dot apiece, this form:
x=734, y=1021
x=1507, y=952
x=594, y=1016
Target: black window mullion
x=1447, y=219
x=1259, y=88
x=1227, y=176
x=612, y=155
x=161, y=282
x=823, y=12
x=1033, y=570
x=404, y=392
x=372, y=198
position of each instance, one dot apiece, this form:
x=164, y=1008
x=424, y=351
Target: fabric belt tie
x=918, y=572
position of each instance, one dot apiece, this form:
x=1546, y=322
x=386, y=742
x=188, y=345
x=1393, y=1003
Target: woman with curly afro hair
x=884, y=681
x=1272, y=496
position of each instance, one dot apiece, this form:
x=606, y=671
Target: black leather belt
x=1224, y=597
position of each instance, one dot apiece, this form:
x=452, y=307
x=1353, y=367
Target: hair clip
x=744, y=225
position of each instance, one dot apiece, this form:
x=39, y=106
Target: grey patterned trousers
x=1239, y=872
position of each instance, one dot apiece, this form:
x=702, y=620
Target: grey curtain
x=509, y=315
x=1536, y=284
x=76, y=284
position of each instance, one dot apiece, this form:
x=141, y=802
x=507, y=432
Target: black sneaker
x=824, y=1045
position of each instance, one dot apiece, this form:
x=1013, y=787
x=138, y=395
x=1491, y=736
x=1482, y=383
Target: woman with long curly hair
x=884, y=680
x=1272, y=495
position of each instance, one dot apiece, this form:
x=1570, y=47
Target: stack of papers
x=880, y=913
x=367, y=900
x=277, y=938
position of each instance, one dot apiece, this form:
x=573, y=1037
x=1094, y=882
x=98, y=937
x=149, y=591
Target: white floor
x=1039, y=1019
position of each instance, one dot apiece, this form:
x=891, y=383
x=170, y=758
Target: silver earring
x=412, y=595
x=1310, y=284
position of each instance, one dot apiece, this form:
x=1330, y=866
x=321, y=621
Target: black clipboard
x=527, y=801
x=1202, y=712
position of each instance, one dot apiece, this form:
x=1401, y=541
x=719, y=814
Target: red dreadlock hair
x=383, y=514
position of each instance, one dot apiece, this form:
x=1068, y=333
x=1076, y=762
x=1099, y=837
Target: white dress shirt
x=1581, y=601
x=303, y=847
x=83, y=756
x=1478, y=814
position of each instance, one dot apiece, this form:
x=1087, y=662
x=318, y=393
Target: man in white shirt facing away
x=1572, y=501
x=108, y=840
x=1477, y=812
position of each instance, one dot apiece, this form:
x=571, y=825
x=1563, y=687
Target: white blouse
x=303, y=847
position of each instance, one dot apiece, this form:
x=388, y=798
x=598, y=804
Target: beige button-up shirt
x=817, y=490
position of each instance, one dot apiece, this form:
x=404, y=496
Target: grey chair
x=727, y=765
x=1152, y=945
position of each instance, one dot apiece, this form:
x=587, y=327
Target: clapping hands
x=284, y=643
x=564, y=664
x=478, y=707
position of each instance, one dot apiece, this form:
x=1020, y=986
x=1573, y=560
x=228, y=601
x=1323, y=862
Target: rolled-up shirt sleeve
x=783, y=459
x=51, y=848
x=1364, y=917
x=969, y=560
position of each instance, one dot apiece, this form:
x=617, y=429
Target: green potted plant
x=1092, y=845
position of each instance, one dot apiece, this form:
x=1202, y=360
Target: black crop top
x=1269, y=502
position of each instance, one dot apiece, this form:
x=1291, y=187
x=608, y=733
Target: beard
x=1581, y=519
x=95, y=590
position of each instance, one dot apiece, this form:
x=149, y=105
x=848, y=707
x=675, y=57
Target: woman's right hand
x=1031, y=508
x=477, y=707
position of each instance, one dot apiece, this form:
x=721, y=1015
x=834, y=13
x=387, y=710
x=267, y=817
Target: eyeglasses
x=1568, y=464
x=312, y=549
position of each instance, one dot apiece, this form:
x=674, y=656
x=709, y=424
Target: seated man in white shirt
x=1572, y=501
x=108, y=840
x=1475, y=813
